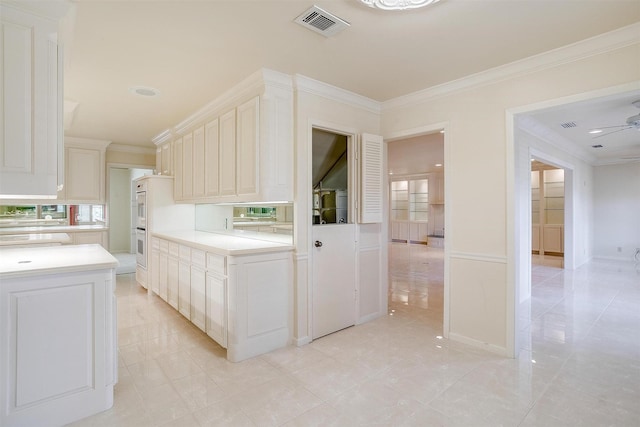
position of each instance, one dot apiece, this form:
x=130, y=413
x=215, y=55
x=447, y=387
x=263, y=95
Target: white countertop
x=34, y=239
x=237, y=242
x=17, y=262
x=52, y=229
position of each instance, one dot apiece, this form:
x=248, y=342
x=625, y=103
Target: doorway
x=333, y=233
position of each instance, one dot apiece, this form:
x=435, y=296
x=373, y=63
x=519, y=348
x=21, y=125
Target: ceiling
x=192, y=51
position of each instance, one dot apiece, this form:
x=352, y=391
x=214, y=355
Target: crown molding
x=76, y=142
x=125, y=148
x=616, y=39
x=256, y=84
x=316, y=87
x=162, y=137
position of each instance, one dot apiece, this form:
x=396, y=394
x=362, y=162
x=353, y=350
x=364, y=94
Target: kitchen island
x=58, y=357
x=236, y=286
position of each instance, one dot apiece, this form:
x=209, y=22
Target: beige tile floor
x=579, y=364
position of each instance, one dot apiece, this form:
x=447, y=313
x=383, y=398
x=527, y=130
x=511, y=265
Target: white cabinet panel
x=216, y=308
x=212, y=155
x=31, y=99
x=167, y=166
x=552, y=237
x=228, y=153
x=178, y=170
x=173, y=276
x=187, y=167
x=163, y=270
x=371, y=179
x=199, y=162
x=247, y=146
x=154, y=280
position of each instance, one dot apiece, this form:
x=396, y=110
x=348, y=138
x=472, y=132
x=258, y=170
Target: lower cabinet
x=89, y=237
x=241, y=302
x=155, y=261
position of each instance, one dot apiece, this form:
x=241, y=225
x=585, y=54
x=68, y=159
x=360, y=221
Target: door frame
x=413, y=132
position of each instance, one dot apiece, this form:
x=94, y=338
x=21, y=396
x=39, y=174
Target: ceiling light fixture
x=398, y=4
x=592, y=131
x=438, y=165
x=147, y=92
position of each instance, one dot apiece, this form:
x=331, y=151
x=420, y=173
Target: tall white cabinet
x=31, y=146
x=238, y=148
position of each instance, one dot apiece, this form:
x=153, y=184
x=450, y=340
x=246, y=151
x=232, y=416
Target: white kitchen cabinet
x=89, y=237
x=85, y=171
x=436, y=188
x=31, y=145
x=400, y=230
x=184, y=282
x=159, y=160
x=178, y=171
x=212, y=156
x=228, y=153
x=216, y=303
x=163, y=270
x=187, y=166
x=198, y=289
x=58, y=341
x=154, y=280
x=247, y=146
x=418, y=231
x=173, y=269
x=166, y=159
x=198, y=163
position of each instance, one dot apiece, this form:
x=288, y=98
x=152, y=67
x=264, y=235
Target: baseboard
x=299, y=342
x=491, y=348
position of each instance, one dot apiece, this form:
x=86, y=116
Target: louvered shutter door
x=371, y=178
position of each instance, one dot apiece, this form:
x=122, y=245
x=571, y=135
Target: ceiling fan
x=632, y=122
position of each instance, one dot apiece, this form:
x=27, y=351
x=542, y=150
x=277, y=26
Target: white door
x=334, y=278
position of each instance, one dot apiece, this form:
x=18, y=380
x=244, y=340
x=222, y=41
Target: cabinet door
x=178, y=170
x=247, y=146
x=198, y=300
x=228, y=153
x=159, y=161
x=88, y=238
x=198, y=163
x=216, y=308
x=184, y=289
x=167, y=166
x=163, y=271
x=172, y=281
x=31, y=127
x=155, y=264
x=85, y=175
x=212, y=156
x=187, y=167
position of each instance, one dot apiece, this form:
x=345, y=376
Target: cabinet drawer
x=174, y=249
x=198, y=258
x=217, y=264
x=185, y=253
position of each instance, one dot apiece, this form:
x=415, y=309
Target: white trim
x=479, y=344
x=368, y=318
x=124, y=148
x=96, y=144
x=299, y=342
x=615, y=39
x=417, y=131
x=333, y=93
x=498, y=259
x=162, y=137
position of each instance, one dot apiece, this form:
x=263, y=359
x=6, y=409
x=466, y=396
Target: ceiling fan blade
x=609, y=127
x=609, y=133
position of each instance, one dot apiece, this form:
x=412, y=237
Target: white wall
x=617, y=211
x=479, y=156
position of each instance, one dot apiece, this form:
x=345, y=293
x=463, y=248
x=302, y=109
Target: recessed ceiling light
x=438, y=165
x=390, y=173
x=145, y=91
x=592, y=131
x=442, y=131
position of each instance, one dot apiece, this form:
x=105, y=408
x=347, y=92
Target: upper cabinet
x=84, y=171
x=239, y=147
x=31, y=146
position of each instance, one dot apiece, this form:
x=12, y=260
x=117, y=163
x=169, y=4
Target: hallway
x=580, y=363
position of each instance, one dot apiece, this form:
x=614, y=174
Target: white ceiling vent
x=321, y=21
